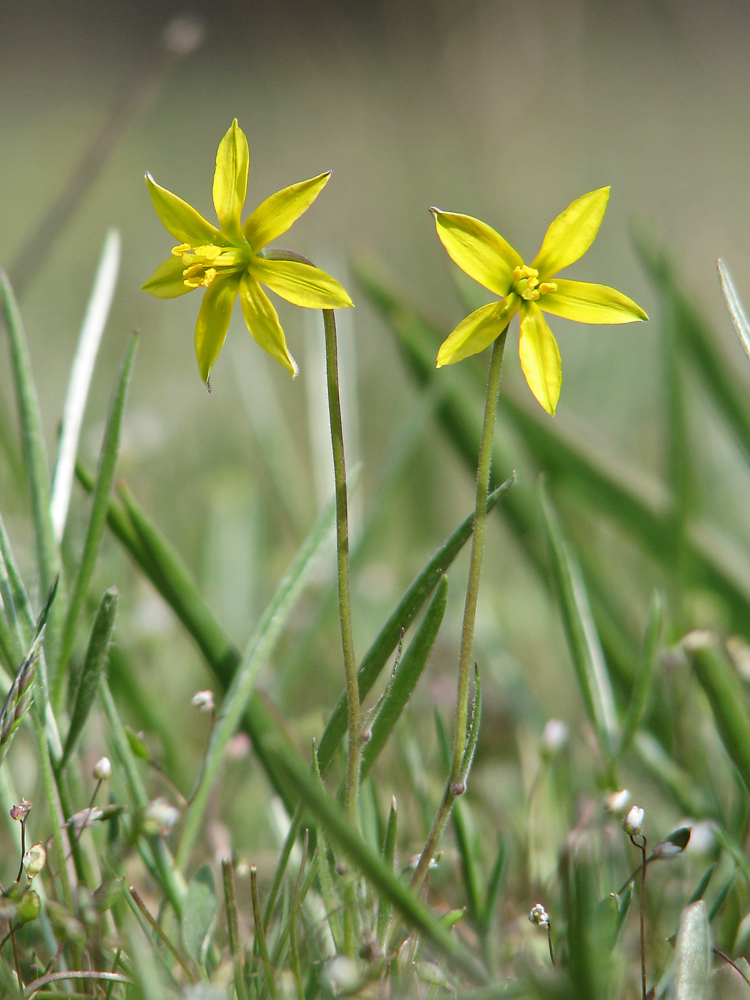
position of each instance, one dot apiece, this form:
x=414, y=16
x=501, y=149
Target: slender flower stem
x=642, y=848
x=260, y=934
x=235, y=945
x=453, y=787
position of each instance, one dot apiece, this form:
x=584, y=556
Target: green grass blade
x=258, y=650
x=726, y=697
x=645, y=673
x=493, y=886
x=32, y=441
x=583, y=641
x=81, y=372
x=389, y=857
x=372, y=866
x=97, y=520
x=94, y=665
x=734, y=305
x=691, y=799
x=406, y=611
x=405, y=678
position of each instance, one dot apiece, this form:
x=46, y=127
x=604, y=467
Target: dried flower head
x=539, y=916
x=21, y=811
x=203, y=701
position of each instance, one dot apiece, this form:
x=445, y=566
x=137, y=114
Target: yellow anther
x=192, y=271
x=547, y=286
x=209, y=252
x=181, y=249
x=209, y=276
x=530, y=294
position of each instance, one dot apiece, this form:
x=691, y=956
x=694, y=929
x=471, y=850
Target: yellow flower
x=232, y=261
x=528, y=290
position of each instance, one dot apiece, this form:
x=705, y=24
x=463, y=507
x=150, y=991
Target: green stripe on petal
x=180, y=219
x=590, y=303
x=572, y=233
x=276, y=214
x=263, y=323
x=300, y=284
x=166, y=281
x=540, y=358
x=477, y=331
x=478, y=250
x=213, y=321
x=230, y=180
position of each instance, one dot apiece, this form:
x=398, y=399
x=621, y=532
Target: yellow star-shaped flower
x=232, y=261
x=528, y=290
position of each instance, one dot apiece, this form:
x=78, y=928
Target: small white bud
x=539, y=916
x=617, y=802
x=34, y=860
x=203, y=701
x=159, y=817
x=554, y=737
x=633, y=822
x=102, y=769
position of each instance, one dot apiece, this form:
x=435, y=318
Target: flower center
x=526, y=283
x=201, y=264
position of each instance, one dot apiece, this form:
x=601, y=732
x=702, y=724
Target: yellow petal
x=572, y=233
x=166, y=281
x=180, y=219
x=590, y=303
x=540, y=358
x=263, y=323
x=213, y=321
x=477, y=331
x=276, y=214
x=301, y=284
x=478, y=250
x=230, y=180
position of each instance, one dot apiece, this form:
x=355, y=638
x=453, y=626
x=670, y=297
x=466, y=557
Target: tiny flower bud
x=102, y=769
x=20, y=812
x=159, y=817
x=633, y=822
x=34, y=860
x=365, y=734
x=203, y=701
x=458, y=787
x=554, y=738
x=617, y=802
x=539, y=916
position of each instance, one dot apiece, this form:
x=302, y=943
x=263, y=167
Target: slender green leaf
x=94, y=666
x=405, y=678
x=583, y=641
x=493, y=886
x=721, y=896
x=693, y=954
x=32, y=439
x=389, y=856
x=645, y=673
x=725, y=695
x=700, y=889
x=97, y=311
x=734, y=305
x=259, y=648
x=372, y=866
x=406, y=611
x=198, y=913
x=97, y=519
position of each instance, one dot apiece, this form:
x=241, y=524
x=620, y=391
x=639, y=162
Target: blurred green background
x=499, y=110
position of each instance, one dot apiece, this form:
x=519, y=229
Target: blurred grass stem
x=484, y=462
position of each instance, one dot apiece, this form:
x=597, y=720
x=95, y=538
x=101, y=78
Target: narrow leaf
x=583, y=641
x=81, y=372
x=372, y=866
x=257, y=652
x=700, y=889
x=693, y=954
x=493, y=886
x=94, y=665
x=405, y=677
x=645, y=673
x=97, y=519
x=389, y=855
x=734, y=305
x=198, y=913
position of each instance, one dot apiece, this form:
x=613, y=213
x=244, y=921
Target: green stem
x=454, y=786
x=235, y=945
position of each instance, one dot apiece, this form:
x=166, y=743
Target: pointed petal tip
x=434, y=211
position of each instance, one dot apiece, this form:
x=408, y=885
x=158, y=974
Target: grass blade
x=372, y=866
x=404, y=614
x=105, y=477
x=734, y=305
x=389, y=857
x=405, y=678
x=258, y=650
x=32, y=441
x=493, y=886
x=583, y=641
x=94, y=665
x=81, y=371
x=645, y=673
x=725, y=695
